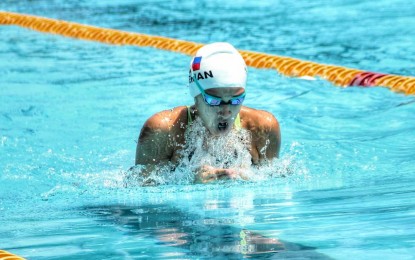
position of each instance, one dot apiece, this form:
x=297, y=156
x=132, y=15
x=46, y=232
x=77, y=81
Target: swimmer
x=217, y=82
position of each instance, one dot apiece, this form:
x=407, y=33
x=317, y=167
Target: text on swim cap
x=200, y=75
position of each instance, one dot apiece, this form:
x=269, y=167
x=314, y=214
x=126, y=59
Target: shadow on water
x=200, y=236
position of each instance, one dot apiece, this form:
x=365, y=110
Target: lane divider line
x=340, y=76
x=4, y=255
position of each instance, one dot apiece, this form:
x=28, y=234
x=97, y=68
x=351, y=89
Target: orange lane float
x=287, y=66
x=4, y=255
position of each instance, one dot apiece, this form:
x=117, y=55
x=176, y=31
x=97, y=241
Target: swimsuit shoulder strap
x=237, y=123
x=189, y=116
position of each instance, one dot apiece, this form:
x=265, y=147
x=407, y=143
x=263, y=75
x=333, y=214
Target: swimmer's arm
x=153, y=155
x=154, y=144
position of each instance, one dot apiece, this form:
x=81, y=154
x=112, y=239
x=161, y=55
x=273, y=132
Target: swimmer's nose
x=225, y=110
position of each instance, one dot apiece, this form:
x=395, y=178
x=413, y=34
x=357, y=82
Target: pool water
x=71, y=111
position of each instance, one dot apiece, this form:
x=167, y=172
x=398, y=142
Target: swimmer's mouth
x=223, y=126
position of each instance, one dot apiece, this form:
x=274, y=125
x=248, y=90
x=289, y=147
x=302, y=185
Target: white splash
x=230, y=151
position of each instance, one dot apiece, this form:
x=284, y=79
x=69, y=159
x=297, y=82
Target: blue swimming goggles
x=217, y=101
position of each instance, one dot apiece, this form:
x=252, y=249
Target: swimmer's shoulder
x=168, y=120
x=256, y=119
x=265, y=130
x=160, y=135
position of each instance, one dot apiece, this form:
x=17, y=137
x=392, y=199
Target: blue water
x=71, y=111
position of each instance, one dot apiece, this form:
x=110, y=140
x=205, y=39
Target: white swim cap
x=217, y=65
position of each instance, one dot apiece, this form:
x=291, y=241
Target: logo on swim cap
x=196, y=63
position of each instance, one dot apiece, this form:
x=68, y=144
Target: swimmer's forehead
x=219, y=92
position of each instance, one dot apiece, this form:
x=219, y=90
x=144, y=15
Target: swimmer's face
x=219, y=120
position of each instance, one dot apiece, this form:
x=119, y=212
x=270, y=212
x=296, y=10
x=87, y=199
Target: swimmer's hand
x=208, y=173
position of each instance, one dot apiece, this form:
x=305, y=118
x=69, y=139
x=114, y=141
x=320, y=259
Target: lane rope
x=340, y=76
x=4, y=255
